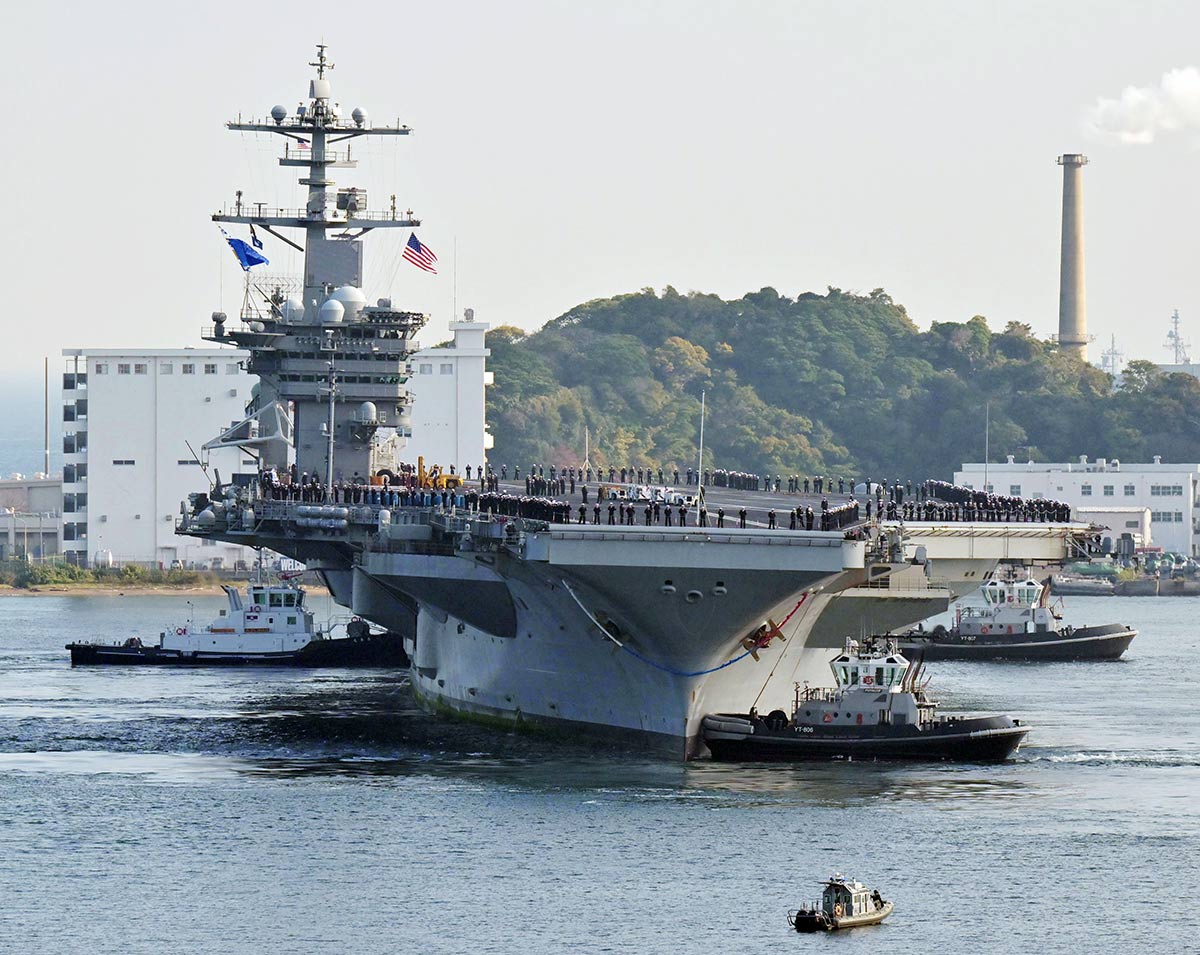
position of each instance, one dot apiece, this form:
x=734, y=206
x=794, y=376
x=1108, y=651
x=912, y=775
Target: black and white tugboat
x=844, y=903
x=877, y=710
x=268, y=626
x=1016, y=623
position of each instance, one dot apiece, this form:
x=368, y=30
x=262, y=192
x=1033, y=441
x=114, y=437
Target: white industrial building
x=128, y=416
x=30, y=517
x=449, y=390
x=1170, y=492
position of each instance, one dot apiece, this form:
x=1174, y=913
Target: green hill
x=836, y=383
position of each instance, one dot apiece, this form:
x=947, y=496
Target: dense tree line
x=836, y=384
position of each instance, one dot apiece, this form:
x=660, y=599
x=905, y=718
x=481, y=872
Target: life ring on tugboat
x=256, y=609
x=181, y=631
x=838, y=910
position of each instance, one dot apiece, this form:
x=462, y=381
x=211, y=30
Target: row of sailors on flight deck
x=563, y=477
x=627, y=514
x=719, y=477
x=968, y=504
x=935, y=500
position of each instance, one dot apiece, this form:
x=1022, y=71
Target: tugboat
x=845, y=903
x=878, y=710
x=271, y=627
x=1016, y=623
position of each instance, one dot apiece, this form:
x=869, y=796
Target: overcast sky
x=575, y=150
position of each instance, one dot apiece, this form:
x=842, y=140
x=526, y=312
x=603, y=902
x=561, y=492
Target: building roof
x=154, y=353
x=1101, y=466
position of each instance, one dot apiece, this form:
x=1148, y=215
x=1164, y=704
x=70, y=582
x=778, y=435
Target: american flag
x=420, y=254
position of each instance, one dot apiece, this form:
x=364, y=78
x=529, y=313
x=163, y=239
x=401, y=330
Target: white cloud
x=1140, y=113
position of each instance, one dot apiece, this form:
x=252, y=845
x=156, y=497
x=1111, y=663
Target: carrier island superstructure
x=631, y=632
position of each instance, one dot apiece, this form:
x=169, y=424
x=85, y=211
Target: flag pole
x=700, y=468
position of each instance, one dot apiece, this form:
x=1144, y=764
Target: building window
x=1179, y=517
x=1131, y=524
x=208, y=542
x=139, y=368
x=123, y=462
x=1130, y=490
x=1108, y=490
x=426, y=369
x=1086, y=490
x=187, y=462
x=232, y=368
x=210, y=369
x=102, y=368
x=1014, y=490
x=166, y=368
x=448, y=368
x=122, y=368
x=188, y=369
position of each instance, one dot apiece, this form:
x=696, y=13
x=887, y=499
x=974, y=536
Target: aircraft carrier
x=630, y=632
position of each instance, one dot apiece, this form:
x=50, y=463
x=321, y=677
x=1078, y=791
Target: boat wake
x=1161, y=759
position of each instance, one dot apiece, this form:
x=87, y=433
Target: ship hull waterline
x=561, y=673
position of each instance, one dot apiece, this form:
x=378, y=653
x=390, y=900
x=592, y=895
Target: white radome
x=332, y=312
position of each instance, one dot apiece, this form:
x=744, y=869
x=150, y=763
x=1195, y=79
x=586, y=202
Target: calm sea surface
x=257, y=811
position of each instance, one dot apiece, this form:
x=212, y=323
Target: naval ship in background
x=630, y=632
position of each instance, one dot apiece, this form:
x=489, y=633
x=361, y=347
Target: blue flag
x=254, y=239
x=247, y=255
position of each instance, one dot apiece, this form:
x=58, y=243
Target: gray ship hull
x=629, y=634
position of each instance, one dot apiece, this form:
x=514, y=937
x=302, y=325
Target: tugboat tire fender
x=181, y=631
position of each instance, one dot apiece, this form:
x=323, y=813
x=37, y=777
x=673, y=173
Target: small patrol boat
x=844, y=903
x=1016, y=623
x=269, y=627
x=877, y=710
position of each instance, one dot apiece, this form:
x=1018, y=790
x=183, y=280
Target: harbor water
x=248, y=811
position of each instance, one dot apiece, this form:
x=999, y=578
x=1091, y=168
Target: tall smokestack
x=1072, y=297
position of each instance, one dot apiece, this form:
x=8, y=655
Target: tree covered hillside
x=835, y=383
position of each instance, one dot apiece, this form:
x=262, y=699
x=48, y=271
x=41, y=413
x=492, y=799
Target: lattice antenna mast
x=1175, y=342
x=311, y=131
x=1112, y=359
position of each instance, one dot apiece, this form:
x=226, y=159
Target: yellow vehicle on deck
x=435, y=478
